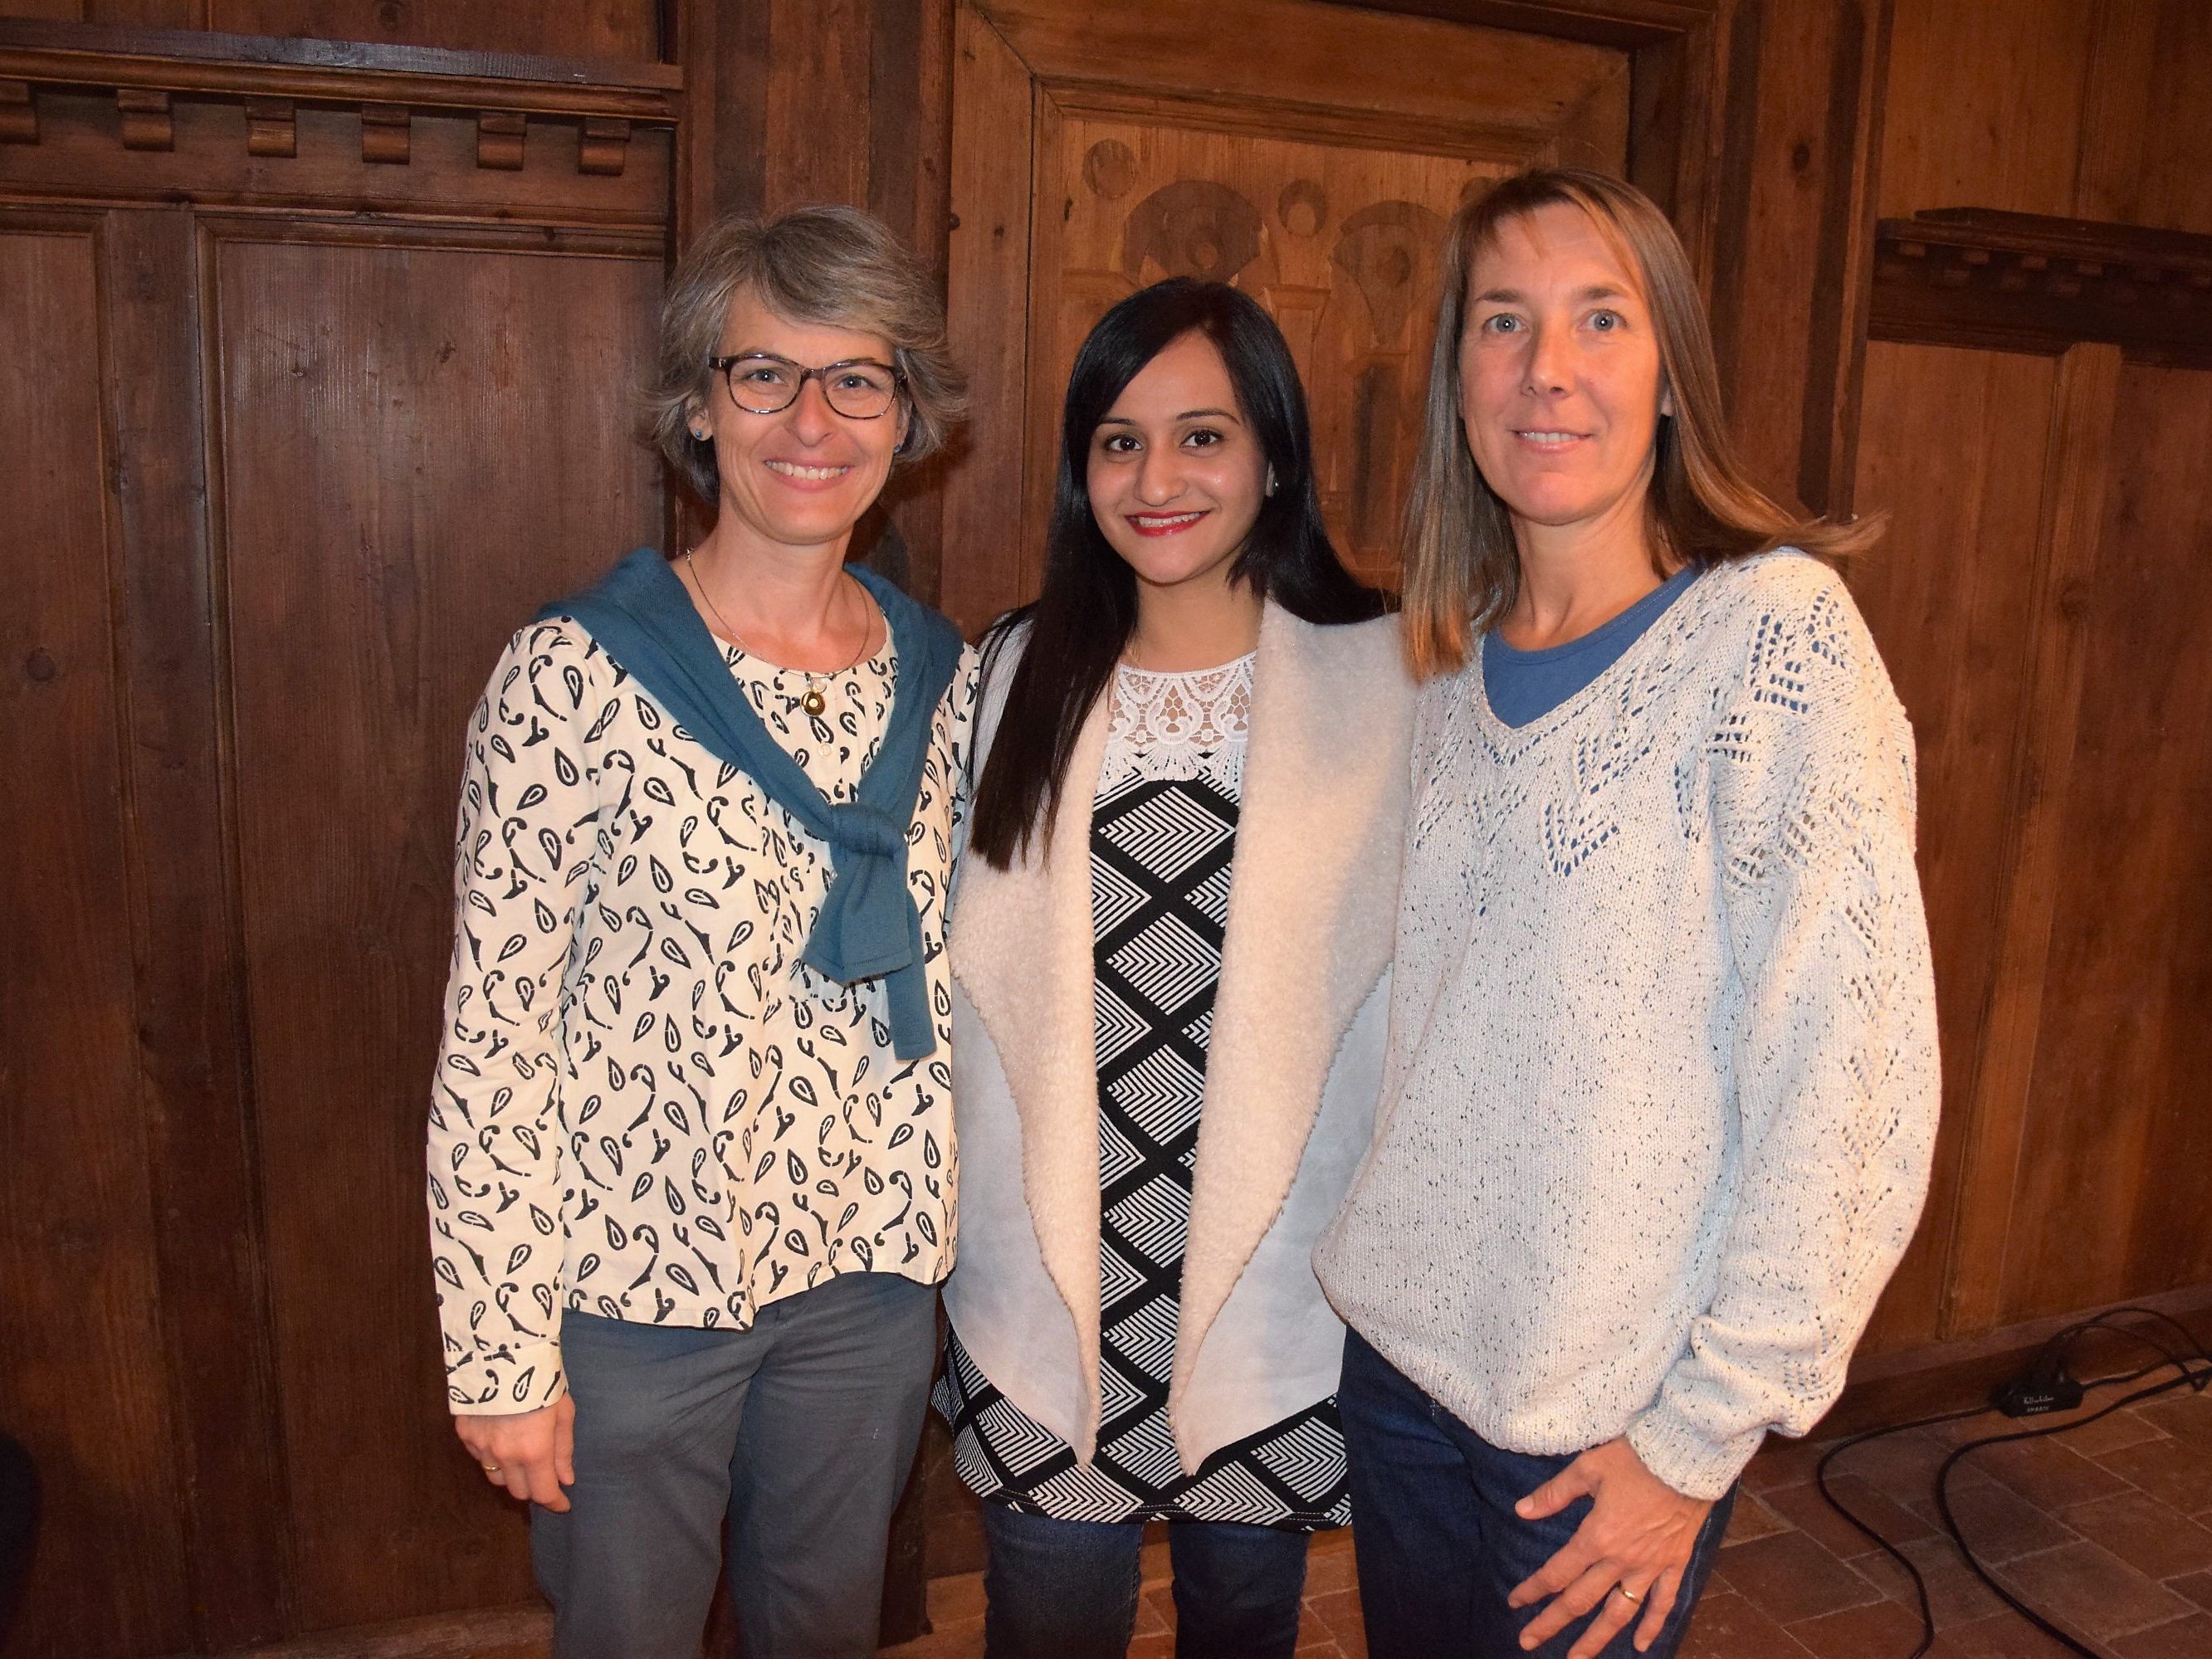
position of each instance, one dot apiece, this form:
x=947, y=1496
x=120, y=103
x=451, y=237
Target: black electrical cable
x=2196, y=1380
x=2053, y=1353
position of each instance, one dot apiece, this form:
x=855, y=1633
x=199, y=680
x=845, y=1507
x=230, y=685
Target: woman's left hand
x=1629, y=1553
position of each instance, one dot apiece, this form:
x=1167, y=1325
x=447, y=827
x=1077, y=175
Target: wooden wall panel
x=82, y=1379
x=1949, y=596
x=1981, y=112
x=2119, y=1129
x=550, y=28
x=416, y=455
x=2146, y=142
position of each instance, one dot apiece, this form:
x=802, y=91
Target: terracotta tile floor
x=2107, y=1528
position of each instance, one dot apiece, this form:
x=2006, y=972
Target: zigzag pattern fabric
x=1160, y=856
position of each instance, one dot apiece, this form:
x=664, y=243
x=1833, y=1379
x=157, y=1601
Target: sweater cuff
x=1684, y=1458
x=502, y=1381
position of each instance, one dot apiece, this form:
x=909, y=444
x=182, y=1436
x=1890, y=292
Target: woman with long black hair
x=1170, y=948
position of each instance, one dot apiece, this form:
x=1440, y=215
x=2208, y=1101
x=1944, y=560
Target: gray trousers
x=799, y=1433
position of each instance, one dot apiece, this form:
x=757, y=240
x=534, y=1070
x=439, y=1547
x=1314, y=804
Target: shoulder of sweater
x=1801, y=645
x=1787, y=578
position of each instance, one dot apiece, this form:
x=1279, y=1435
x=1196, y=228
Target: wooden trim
x=988, y=259
x=2075, y=463
x=1628, y=24
x=193, y=1058
x=1084, y=54
x=2016, y=282
x=1836, y=342
x=324, y=72
x=1954, y=1376
x=523, y=1627
x=533, y=238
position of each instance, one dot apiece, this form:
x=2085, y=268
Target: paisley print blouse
x=648, y=1107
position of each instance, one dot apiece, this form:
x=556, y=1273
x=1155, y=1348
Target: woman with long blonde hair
x=1661, y=1090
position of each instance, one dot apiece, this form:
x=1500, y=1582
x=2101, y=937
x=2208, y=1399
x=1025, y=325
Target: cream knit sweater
x=1662, y=1083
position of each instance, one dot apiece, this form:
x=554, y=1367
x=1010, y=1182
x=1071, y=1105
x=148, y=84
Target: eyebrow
x=1514, y=296
x=1187, y=415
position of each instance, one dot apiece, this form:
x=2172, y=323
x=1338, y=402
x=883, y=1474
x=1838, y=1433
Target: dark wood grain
x=190, y=1007
x=83, y=1381
x=448, y=414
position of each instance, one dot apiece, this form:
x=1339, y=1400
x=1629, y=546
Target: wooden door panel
x=1339, y=243
x=1949, y=595
x=421, y=444
x=1278, y=145
x=84, y=1377
x=2119, y=1129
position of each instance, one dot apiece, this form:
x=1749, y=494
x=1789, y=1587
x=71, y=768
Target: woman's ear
x=1665, y=399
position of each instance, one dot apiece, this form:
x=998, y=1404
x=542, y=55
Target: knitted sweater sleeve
x=527, y=834
x=1834, y=1056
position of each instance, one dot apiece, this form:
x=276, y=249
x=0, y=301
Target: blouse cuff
x=519, y=1378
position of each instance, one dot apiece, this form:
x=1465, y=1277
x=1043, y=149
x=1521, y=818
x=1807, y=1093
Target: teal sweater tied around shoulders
x=643, y=619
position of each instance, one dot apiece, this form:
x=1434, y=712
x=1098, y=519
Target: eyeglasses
x=762, y=383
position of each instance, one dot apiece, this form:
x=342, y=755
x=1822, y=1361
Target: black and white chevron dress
x=1163, y=835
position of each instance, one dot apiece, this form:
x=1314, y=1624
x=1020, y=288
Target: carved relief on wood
x=1338, y=244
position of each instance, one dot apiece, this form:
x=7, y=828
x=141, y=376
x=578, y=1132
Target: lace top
x=1177, y=727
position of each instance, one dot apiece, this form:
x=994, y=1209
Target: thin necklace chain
x=739, y=639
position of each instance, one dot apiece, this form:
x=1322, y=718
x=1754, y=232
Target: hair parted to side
x=1081, y=622
x=1462, y=565
x=828, y=265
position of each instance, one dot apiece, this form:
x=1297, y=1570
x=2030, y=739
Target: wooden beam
x=2020, y=282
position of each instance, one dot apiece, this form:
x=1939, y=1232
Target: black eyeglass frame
x=724, y=365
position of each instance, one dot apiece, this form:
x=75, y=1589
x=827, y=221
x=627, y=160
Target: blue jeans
x=1439, y=1547
x=792, y=1437
x=1067, y=1589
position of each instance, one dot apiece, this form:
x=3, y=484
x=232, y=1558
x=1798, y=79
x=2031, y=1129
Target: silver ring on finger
x=491, y=1468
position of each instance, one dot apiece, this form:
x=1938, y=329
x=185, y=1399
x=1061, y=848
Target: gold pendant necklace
x=811, y=699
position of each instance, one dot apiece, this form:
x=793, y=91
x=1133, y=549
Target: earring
x=1270, y=488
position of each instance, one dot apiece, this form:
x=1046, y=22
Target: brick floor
x=2107, y=1529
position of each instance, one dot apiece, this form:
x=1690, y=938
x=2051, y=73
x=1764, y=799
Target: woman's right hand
x=531, y=1453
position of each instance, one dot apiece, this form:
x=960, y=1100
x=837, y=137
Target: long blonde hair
x=1462, y=565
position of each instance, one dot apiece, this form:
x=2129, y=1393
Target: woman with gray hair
x=690, y=1145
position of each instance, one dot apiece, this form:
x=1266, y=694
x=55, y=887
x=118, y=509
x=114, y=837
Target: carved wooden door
x=1309, y=154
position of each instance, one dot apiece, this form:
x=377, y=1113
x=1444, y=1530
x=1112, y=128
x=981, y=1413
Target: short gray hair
x=833, y=265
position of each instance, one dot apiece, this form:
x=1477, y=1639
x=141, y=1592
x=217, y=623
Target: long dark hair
x=1080, y=622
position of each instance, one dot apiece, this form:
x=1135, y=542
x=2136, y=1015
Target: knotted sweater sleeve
x=1834, y=1056
x=528, y=830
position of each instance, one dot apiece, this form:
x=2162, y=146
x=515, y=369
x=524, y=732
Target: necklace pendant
x=814, y=703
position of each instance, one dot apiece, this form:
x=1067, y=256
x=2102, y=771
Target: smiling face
x=1176, y=475
x=1560, y=380
x=801, y=478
